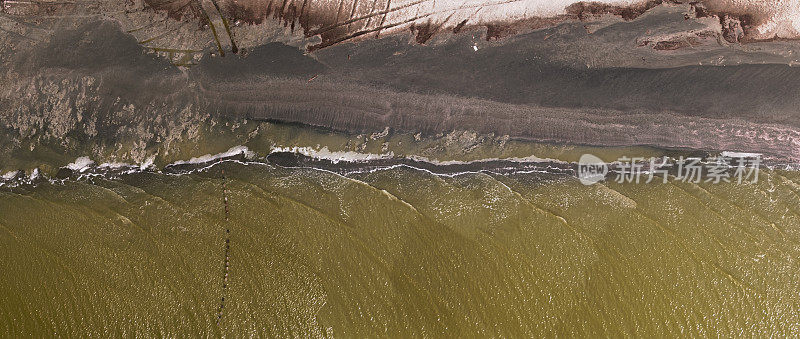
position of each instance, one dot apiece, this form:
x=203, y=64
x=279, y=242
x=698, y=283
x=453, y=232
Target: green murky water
x=399, y=252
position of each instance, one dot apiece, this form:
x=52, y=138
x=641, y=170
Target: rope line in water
x=227, y=249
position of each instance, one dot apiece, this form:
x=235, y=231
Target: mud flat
x=94, y=83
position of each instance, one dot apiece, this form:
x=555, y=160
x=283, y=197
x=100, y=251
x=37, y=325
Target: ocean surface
x=310, y=240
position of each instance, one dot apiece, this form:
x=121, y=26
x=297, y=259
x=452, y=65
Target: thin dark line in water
x=227, y=249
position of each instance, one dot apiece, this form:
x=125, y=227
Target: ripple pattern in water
x=399, y=252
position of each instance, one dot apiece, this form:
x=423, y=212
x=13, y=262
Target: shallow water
x=398, y=252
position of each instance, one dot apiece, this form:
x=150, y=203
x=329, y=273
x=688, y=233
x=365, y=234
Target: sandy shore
x=96, y=82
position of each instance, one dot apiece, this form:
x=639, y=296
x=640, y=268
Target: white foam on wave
x=350, y=156
x=81, y=164
x=233, y=151
x=6, y=179
x=114, y=165
x=10, y=175
x=530, y=158
x=334, y=156
x=147, y=163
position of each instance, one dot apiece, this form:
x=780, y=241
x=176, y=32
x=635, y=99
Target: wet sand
x=500, y=89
